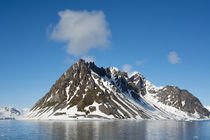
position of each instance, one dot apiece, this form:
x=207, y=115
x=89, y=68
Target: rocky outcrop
x=182, y=100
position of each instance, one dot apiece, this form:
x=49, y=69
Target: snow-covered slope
x=86, y=91
x=207, y=107
x=12, y=113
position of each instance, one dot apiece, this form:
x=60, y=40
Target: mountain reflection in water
x=105, y=130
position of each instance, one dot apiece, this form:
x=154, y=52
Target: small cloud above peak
x=141, y=62
x=88, y=58
x=68, y=60
x=82, y=30
x=127, y=68
x=173, y=57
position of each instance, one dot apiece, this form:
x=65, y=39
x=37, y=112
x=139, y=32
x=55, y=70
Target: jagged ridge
x=87, y=91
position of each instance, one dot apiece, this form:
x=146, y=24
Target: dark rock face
x=100, y=71
x=182, y=100
x=85, y=84
x=138, y=81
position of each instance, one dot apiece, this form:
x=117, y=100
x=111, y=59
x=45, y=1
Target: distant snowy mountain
x=12, y=113
x=86, y=91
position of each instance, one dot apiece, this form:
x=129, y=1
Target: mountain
x=207, y=107
x=11, y=113
x=86, y=91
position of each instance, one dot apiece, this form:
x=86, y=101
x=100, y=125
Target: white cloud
x=127, y=68
x=69, y=60
x=141, y=62
x=82, y=31
x=89, y=58
x=173, y=57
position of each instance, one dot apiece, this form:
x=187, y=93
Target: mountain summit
x=86, y=91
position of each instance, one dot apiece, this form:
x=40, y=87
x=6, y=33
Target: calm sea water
x=105, y=130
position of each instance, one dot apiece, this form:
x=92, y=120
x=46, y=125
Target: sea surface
x=104, y=130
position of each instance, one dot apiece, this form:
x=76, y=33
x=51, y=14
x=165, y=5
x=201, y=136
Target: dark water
x=107, y=130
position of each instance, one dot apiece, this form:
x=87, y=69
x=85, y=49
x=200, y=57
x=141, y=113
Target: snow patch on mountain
x=150, y=86
x=207, y=107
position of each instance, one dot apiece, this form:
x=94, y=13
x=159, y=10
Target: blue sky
x=142, y=35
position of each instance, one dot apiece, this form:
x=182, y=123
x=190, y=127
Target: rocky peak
x=139, y=81
x=100, y=71
x=181, y=99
